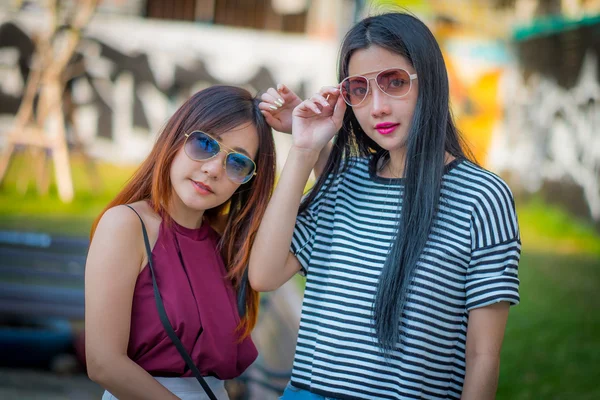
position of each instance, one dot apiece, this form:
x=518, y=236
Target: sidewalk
x=23, y=384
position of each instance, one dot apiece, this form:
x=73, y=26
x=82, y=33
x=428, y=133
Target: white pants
x=187, y=388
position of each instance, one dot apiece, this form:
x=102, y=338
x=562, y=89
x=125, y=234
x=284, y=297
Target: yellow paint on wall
x=479, y=114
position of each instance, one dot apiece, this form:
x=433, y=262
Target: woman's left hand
x=277, y=107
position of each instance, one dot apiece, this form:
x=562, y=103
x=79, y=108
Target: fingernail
x=278, y=102
x=282, y=101
x=273, y=107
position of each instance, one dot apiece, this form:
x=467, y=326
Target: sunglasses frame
x=379, y=72
x=222, y=148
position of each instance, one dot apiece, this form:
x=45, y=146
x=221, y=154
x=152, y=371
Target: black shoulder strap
x=165, y=321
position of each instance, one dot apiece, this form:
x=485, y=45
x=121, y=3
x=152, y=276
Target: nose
x=380, y=104
x=214, y=167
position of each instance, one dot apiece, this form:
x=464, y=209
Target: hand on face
x=277, y=107
x=316, y=120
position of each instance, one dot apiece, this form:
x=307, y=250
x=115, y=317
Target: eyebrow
x=237, y=149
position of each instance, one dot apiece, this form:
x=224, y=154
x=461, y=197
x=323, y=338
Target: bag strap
x=165, y=321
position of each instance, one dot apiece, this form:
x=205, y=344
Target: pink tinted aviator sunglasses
x=395, y=82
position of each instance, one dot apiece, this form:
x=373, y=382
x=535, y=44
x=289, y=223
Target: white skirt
x=187, y=388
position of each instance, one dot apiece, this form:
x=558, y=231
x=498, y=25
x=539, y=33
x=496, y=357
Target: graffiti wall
x=549, y=138
x=529, y=108
x=130, y=73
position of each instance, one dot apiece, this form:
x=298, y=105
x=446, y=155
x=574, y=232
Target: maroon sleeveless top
x=200, y=304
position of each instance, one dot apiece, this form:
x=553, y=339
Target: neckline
x=373, y=173
x=199, y=233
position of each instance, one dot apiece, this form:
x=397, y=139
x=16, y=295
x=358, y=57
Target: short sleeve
x=306, y=228
x=492, y=274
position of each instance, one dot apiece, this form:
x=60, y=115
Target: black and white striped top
x=342, y=240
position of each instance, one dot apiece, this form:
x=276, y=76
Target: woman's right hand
x=316, y=120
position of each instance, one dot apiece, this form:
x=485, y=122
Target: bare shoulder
x=120, y=228
x=149, y=216
x=118, y=223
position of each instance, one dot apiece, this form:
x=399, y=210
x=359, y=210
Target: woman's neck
x=183, y=215
x=393, y=166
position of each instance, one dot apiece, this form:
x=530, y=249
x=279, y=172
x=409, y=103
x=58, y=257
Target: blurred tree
x=40, y=123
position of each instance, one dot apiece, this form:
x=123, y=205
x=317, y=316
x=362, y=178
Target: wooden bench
x=41, y=276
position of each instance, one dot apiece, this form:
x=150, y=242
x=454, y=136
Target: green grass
x=548, y=228
x=31, y=212
x=552, y=344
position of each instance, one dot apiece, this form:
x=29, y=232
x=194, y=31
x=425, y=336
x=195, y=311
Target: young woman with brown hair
x=165, y=275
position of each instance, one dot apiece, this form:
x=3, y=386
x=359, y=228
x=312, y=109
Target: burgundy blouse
x=200, y=303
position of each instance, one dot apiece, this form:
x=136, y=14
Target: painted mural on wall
x=130, y=74
x=475, y=65
x=549, y=138
x=530, y=110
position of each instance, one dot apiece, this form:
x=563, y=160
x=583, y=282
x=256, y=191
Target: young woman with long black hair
x=410, y=248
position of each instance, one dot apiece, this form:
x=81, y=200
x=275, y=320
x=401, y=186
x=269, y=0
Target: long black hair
x=432, y=133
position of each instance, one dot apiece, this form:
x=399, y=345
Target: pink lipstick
x=201, y=188
x=385, y=128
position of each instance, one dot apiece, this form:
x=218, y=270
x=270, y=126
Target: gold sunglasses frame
x=223, y=148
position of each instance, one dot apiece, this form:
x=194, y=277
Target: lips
x=202, y=188
x=385, y=128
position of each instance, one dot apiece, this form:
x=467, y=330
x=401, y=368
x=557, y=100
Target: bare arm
x=314, y=124
x=484, y=341
x=322, y=160
x=112, y=267
x=271, y=263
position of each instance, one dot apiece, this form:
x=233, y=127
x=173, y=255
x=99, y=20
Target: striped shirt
x=342, y=239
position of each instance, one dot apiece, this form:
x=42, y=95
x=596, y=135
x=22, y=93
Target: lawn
x=30, y=212
x=552, y=344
